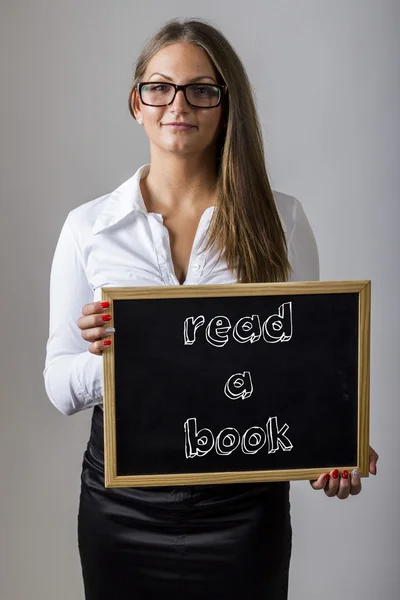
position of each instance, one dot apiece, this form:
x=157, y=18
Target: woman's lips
x=178, y=126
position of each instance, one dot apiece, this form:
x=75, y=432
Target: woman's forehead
x=183, y=60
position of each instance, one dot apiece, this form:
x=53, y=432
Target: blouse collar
x=122, y=201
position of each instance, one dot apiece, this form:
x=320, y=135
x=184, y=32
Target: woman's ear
x=135, y=103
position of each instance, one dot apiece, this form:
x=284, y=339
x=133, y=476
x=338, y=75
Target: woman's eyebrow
x=190, y=80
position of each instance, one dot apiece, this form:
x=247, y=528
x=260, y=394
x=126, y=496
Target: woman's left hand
x=344, y=484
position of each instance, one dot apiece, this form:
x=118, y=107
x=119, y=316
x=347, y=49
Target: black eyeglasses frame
x=222, y=88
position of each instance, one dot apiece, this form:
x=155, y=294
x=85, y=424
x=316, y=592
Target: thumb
x=320, y=483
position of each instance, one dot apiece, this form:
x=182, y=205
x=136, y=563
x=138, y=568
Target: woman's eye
x=203, y=91
x=159, y=88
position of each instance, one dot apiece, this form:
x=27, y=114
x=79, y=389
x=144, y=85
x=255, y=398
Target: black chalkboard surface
x=228, y=383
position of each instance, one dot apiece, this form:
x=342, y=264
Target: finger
x=344, y=486
x=373, y=459
x=96, y=333
x=95, y=307
x=333, y=485
x=320, y=483
x=355, y=483
x=99, y=347
x=93, y=320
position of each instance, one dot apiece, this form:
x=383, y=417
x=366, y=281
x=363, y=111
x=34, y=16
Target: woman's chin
x=181, y=149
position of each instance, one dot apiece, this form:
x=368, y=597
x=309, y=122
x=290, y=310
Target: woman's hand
x=95, y=326
x=344, y=484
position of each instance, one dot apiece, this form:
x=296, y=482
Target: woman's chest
x=144, y=252
x=182, y=233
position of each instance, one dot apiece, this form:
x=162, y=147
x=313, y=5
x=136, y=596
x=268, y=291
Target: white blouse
x=114, y=241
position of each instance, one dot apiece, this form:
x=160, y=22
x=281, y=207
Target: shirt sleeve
x=302, y=248
x=73, y=376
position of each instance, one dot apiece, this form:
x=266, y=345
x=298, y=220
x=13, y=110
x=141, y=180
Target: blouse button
x=196, y=267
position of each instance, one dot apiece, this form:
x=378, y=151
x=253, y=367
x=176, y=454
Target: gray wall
x=327, y=79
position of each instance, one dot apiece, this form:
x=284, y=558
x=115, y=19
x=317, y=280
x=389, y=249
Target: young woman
x=206, y=182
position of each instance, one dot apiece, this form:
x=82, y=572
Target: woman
x=206, y=182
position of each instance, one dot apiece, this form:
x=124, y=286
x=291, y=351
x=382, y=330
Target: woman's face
x=180, y=63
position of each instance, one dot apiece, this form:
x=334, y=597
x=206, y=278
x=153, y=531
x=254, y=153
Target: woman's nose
x=180, y=102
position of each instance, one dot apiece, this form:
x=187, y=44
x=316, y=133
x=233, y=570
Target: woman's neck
x=179, y=183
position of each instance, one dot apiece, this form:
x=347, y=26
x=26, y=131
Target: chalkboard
x=230, y=383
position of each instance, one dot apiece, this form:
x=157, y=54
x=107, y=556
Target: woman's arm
x=302, y=248
x=73, y=376
x=303, y=256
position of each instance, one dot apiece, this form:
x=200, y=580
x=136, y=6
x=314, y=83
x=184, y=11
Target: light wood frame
x=363, y=288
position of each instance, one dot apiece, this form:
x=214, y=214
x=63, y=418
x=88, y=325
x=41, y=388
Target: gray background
x=327, y=80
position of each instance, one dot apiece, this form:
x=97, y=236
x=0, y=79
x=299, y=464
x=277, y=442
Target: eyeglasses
x=198, y=95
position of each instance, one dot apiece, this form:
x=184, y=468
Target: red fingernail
x=106, y=317
x=335, y=474
x=104, y=304
x=345, y=474
x=107, y=343
x=326, y=477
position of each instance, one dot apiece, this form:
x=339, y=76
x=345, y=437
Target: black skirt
x=211, y=542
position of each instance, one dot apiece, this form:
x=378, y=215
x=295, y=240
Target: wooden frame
x=362, y=288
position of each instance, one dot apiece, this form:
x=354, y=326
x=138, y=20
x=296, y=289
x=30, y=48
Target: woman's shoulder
x=302, y=245
x=88, y=212
x=82, y=218
x=288, y=208
x=98, y=214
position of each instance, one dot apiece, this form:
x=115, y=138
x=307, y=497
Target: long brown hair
x=245, y=227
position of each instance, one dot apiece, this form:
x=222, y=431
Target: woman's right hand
x=95, y=326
